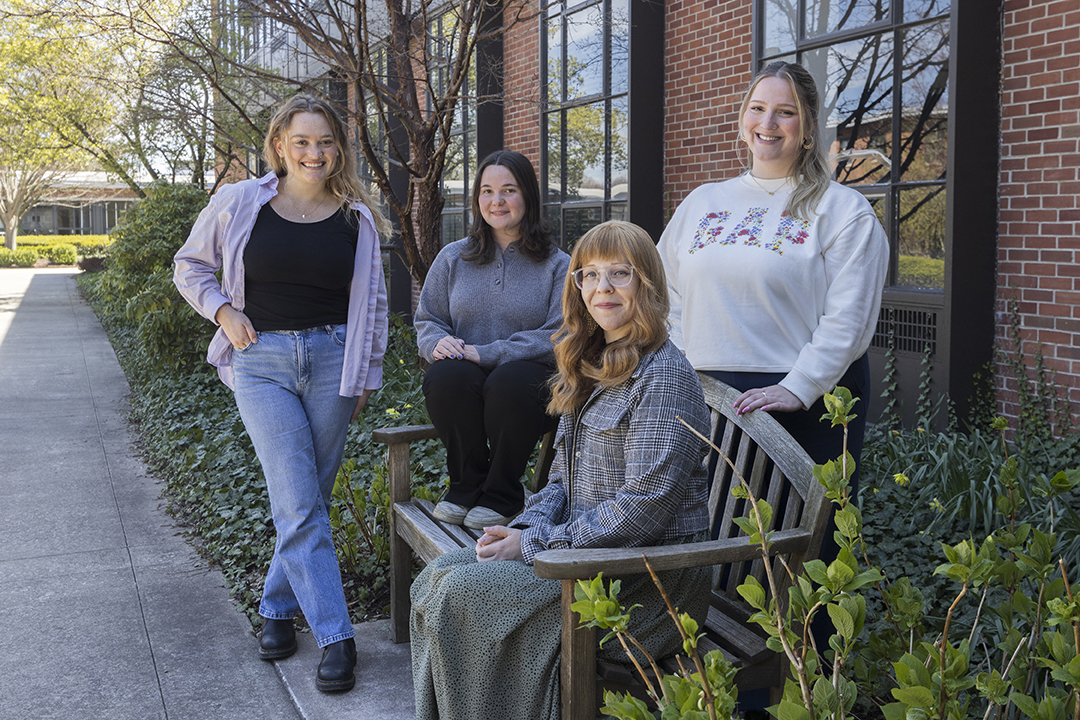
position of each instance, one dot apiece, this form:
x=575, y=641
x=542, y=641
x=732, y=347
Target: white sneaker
x=481, y=517
x=450, y=513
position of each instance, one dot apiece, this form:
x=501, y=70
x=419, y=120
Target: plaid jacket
x=637, y=474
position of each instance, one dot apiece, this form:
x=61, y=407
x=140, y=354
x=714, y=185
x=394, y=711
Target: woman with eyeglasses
x=489, y=306
x=627, y=473
x=776, y=275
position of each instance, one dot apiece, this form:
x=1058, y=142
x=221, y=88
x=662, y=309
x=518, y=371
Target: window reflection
x=585, y=53
x=554, y=60
x=921, y=253
x=856, y=107
x=620, y=153
x=925, y=105
x=585, y=143
x=577, y=222
x=781, y=19
x=620, y=46
x=554, y=157
x=825, y=16
x=923, y=9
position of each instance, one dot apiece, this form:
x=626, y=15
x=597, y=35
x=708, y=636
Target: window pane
x=453, y=178
x=617, y=211
x=553, y=213
x=922, y=237
x=554, y=157
x=620, y=46
x=925, y=107
x=453, y=227
x=781, y=26
x=826, y=16
x=620, y=150
x=857, y=107
x=554, y=60
x=922, y=9
x=578, y=221
x=585, y=52
x=585, y=135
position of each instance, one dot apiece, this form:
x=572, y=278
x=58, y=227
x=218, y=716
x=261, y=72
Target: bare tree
x=404, y=63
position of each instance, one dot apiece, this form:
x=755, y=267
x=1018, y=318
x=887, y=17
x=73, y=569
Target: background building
x=957, y=119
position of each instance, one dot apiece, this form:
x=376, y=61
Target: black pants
x=489, y=421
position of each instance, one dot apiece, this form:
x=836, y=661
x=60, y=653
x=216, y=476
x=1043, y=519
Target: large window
x=584, y=119
x=883, y=70
x=461, y=152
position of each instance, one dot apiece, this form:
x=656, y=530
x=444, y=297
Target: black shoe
x=278, y=639
x=336, y=668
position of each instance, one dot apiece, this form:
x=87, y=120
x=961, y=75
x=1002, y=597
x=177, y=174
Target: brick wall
x=708, y=66
x=1038, y=247
x=521, y=82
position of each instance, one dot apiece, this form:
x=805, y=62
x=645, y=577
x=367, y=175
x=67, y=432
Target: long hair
x=811, y=168
x=584, y=359
x=535, y=240
x=343, y=183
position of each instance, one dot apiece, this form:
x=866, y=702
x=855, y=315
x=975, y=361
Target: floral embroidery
x=706, y=233
x=791, y=228
x=750, y=228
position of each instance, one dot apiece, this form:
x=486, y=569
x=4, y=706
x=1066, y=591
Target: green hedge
x=85, y=245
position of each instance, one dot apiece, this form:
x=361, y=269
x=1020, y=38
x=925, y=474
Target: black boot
x=278, y=639
x=336, y=668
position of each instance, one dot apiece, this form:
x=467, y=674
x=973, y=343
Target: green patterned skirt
x=485, y=636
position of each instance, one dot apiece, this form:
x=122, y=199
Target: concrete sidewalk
x=107, y=611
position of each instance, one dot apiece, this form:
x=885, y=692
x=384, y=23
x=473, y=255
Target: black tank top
x=297, y=275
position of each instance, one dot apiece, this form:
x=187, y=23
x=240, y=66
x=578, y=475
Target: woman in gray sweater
x=489, y=306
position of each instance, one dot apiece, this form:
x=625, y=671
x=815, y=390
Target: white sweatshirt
x=756, y=290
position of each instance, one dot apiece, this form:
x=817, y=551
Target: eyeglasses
x=617, y=276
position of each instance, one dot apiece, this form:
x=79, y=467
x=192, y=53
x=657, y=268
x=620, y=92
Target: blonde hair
x=584, y=360
x=344, y=180
x=811, y=167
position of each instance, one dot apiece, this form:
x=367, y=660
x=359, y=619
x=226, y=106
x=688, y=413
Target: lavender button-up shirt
x=217, y=242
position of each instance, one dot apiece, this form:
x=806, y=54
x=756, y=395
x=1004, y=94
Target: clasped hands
x=455, y=348
x=499, y=543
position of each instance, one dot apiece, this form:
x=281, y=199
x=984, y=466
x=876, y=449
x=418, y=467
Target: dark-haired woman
x=489, y=306
x=627, y=473
x=301, y=306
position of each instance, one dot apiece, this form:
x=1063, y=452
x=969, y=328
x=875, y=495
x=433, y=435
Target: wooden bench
x=772, y=463
x=413, y=527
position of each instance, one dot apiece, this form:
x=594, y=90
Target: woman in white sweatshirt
x=775, y=276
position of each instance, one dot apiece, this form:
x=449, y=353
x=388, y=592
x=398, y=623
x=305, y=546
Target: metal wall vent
x=909, y=329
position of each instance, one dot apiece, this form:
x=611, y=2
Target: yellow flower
x=901, y=479
x=392, y=412
x=936, y=505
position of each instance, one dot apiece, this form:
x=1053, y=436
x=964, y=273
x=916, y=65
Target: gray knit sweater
x=508, y=309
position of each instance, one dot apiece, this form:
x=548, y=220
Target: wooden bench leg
x=578, y=670
x=400, y=482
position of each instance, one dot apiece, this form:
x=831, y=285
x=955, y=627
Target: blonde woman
x=485, y=629
x=301, y=310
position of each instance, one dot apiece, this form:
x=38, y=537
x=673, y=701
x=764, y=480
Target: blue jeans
x=287, y=393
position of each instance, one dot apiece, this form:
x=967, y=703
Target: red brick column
x=1038, y=258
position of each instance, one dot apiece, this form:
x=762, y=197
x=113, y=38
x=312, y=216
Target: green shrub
x=62, y=254
x=21, y=257
x=137, y=281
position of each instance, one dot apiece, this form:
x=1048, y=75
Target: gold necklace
x=758, y=183
x=303, y=215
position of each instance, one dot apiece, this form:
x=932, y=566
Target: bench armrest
x=587, y=563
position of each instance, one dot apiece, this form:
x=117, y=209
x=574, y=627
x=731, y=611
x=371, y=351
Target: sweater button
x=498, y=282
